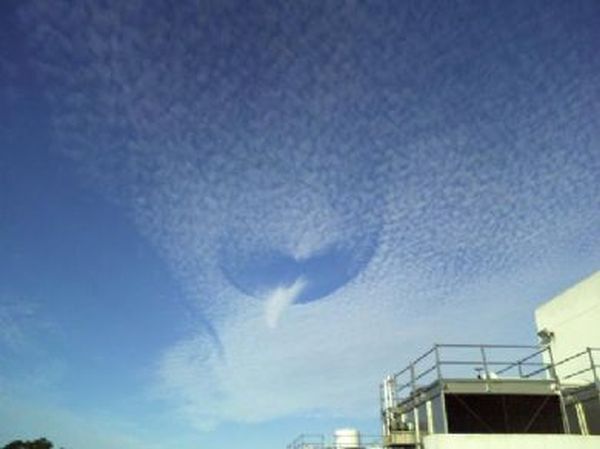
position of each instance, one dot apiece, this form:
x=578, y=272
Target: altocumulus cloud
x=356, y=165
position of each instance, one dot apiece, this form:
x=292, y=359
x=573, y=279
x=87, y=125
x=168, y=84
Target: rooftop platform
x=499, y=389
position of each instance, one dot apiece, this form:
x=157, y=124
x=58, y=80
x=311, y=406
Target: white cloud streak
x=281, y=299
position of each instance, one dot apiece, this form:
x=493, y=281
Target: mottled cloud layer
x=447, y=149
x=16, y=316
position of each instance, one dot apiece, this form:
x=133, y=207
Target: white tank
x=346, y=438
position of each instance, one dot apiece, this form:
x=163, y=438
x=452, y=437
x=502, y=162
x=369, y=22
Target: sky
x=225, y=222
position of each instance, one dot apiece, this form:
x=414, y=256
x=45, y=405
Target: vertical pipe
x=388, y=402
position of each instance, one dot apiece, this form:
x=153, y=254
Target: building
x=506, y=396
x=569, y=325
x=481, y=396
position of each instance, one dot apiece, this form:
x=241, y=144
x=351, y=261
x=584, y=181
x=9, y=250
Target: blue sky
x=225, y=222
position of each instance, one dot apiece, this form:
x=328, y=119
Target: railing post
x=554, y=375
x=596, y=378
x=485, y=365
x=552, y=370
x=594, y=372
x=438, y=362
x=592, y=365
x=413, y=383
x=520, y=369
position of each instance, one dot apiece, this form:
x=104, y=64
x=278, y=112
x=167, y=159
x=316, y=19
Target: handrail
x=424, y=373
x=587, y=353
x=546, y=367
x=581, y=371
x=320, y=441
x=475, y=362
x=520, y=361
x=424, y=355
x=410, y=386
x=435, y=363
x=573, y=357
x=458, y=345
x=413, y=374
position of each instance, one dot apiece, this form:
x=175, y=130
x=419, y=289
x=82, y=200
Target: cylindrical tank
x=347, y=438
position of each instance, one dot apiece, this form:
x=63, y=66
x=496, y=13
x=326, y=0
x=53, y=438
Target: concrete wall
x=511, y=441
x=573, y=317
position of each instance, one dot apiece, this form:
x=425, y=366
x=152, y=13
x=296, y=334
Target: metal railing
x=587, y=361
x=486, y=362
x=319, y=441
x=307, y=441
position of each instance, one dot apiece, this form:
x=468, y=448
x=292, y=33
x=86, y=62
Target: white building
x=570, y=323
x=543, y=396
x=477, y=396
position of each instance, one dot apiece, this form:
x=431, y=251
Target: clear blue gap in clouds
x=258, y=273
x=429, y=171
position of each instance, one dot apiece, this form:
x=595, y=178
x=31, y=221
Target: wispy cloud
x=280, y=299
x=20, y=323
x=11, y=324
x=438, y=171
x=24, y=332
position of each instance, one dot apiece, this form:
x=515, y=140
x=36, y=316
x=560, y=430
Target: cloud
x=20, y=323
x=12, y=317
x=328, y=357
x=438, y=170
x=280, y=299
